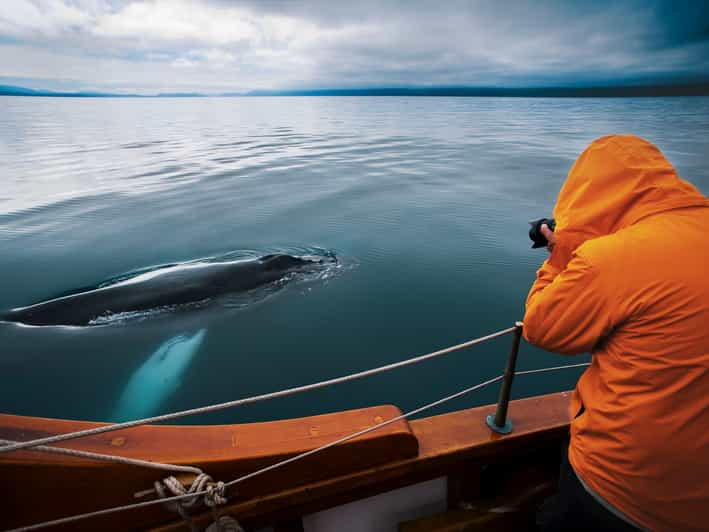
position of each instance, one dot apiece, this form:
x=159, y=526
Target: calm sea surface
x=425, y=201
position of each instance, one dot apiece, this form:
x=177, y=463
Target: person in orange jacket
x=628, y=281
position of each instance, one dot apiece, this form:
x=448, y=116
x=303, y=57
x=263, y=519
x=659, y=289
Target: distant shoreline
x=629, y=91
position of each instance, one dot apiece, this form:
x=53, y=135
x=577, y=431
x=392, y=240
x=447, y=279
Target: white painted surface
x=382, y=513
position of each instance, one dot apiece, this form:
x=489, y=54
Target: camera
x=535, y=231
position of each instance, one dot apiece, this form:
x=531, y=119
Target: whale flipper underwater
x=168, y=286
x=157, y=378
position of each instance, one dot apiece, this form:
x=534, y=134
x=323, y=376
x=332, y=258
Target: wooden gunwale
x=223, y=451
x=446, y=442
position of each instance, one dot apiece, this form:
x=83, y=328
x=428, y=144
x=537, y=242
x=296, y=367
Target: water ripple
x=428, y=196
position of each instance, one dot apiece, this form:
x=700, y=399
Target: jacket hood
x=617, y=181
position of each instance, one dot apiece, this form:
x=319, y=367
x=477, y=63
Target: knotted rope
x=213, y=495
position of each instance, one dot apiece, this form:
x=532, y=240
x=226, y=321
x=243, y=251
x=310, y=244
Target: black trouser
x=574, y=508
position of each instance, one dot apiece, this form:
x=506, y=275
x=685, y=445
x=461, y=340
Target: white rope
x=253, y=399
x=553, y=368
x=98, y=513
x=113, y=458
x=203, y=483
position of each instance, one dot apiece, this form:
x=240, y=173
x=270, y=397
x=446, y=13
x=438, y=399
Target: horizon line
x=700, y=88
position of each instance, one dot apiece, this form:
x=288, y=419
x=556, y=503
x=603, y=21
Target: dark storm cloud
x=680, y=23
x=223, y=45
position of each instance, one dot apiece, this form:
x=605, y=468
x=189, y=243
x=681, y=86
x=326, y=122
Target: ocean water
x=424, y=200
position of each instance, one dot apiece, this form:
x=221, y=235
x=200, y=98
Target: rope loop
x=214, y=492
x=215, y=495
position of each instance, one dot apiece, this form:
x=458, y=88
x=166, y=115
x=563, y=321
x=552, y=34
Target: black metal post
x=499, y=422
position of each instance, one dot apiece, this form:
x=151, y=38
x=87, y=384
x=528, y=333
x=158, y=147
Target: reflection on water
x=429, y=197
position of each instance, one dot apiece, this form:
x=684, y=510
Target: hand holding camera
x=542, y=234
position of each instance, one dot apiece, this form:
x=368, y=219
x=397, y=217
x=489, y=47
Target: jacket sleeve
x=568, y=310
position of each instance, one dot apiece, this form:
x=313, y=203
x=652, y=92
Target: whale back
x=169, y=286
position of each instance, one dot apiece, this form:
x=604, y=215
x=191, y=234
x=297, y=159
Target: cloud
x=50, y=18
x=218, y=45
x=179, y=21
x=214, y=57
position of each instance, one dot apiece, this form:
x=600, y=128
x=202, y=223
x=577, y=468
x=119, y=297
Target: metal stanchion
x=499, y=422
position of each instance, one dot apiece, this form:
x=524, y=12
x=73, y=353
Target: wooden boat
x=448, y=472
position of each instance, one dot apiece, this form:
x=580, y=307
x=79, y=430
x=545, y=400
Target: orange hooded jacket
x=628, y=281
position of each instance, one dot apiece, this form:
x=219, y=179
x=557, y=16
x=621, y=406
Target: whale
x=163, y=287
x=157, y=378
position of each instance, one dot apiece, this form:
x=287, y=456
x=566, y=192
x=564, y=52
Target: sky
x=215, y=46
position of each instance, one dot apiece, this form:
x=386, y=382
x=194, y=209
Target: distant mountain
x=695, y=89
x=687, y=89
x=9, y=90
